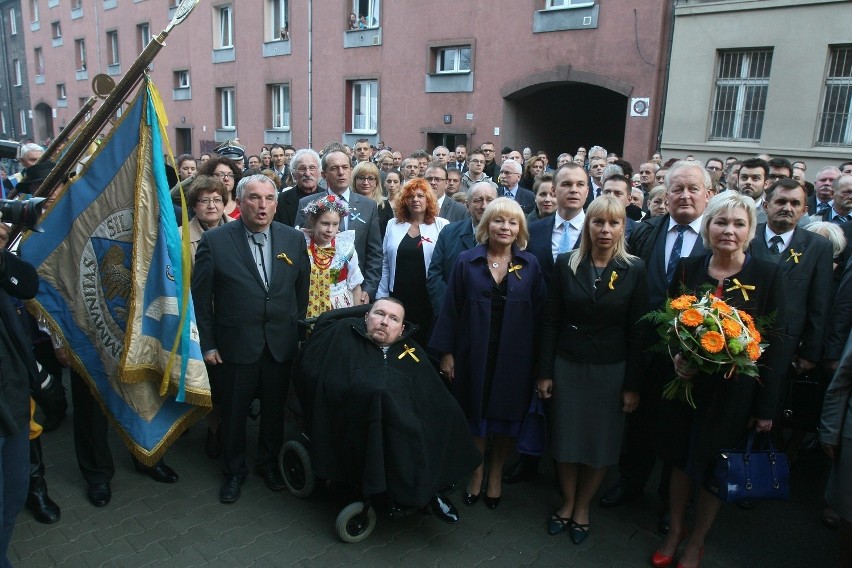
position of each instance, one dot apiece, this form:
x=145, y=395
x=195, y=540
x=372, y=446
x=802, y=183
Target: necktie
x=821, y=207
x=509, y=194
x=840, y=219
x=775, y=245
x=564, y=245
x=674, y=258
x=259, y=239
x=598, y=192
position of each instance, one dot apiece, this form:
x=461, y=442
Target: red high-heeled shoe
x=700, y=556
x=660, y=560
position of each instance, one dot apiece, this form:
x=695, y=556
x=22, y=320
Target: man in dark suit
x=806, y=259
x=840, y=211
x=453, y=240
x=250, y=287
x=820, y=201
x=305, y=167
x=448, y=208
x=279, y=163
x=661, y=242
x=461, y=159
x=363, y=218
x=510, y=176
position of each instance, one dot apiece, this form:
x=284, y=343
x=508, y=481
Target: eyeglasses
x=370, y=179
x=223, y=175
x=208, y=201
x=303, y=169
x=430, y=179
x=507, y=172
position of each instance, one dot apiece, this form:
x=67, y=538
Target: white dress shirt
x=574, y=227
x=689, y=237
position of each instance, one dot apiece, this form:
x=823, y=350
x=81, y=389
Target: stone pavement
x=182, y=525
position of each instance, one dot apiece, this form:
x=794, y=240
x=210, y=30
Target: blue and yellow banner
x=114, y=285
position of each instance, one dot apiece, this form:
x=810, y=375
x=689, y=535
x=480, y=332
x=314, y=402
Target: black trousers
x=90, y=434
x=234, y=388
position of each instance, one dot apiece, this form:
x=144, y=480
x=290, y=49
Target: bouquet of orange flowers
x=711, y=335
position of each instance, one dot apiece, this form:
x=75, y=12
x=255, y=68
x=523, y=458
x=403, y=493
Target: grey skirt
x=585, y=421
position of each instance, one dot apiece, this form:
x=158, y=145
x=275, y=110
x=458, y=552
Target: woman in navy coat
x=486, y=334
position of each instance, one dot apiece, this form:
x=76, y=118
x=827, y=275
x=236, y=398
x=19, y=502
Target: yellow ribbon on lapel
x=408, y=351
x=283, y=256
x=742, y=288
x=612, y=278
x=516, y=268
x=794, y=256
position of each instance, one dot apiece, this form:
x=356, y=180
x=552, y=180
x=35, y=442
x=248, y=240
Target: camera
x=9, y=149
x=24, y=212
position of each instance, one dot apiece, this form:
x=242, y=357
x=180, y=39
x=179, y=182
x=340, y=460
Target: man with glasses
x=510, y=176
x=305, y=167
x=448, y=208
x=475, y=173
x=491, y=169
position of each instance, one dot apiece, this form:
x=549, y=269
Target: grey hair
x=297, y=157
x=241, y=186
x=684, y=164
x=27, y=148
x=611, y=170
x=830, y=231
x=726, y=202
x=597, y=152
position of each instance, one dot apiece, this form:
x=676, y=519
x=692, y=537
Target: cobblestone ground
x=181, y=525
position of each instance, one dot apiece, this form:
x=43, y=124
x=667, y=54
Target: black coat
x=382, y=421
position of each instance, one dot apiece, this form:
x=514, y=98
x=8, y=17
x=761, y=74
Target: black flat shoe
x=578, y=532
x=159, y=472
x=491, y=502
x=44, y=509
x=230, y=490
x=99, y=494
x=443, y=509
x=470, y=499
x=558, y=524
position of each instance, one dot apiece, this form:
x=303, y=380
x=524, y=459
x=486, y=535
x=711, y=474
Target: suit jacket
x=364, y=220
x=235, y=313
x=808, y=283
x=840, y=318
x=648, y=242
x=541, y=239
x=812, y=205
x=454, y=239
x=452, y=210
x=393, y=236
x=524, y=197
x=836, y=422
x=288, y=204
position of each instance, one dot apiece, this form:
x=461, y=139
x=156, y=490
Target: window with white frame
x=182, y=79
x=13, y=22
x=38, y=58
x=112, y=47
x=16, y=69
x=3, y=122
x=22, y=115
x=453, y=59
x=835, y=120
x=557, y=4
x=60, y=92
x=365, y=106
x=277, y=27
x=367, y=12
x=56, y=30
x=226, y=108
x=742, y=84
x=143, y=36
x=225, y=27
x=34, y=11
x=80, y=50
x=279, y=101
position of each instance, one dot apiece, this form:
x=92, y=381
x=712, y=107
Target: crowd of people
x=524, y=288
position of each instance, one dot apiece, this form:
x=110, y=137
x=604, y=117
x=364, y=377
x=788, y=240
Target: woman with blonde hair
x=367, y=181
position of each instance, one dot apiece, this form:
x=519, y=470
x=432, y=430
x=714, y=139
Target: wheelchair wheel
x=295, y=466
x=353, y=525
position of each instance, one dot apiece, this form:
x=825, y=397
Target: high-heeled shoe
x=660, y=560
x=491, y=502
x=470, y=499
x=700, y=556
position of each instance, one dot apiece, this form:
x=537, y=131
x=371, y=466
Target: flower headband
x=326, y=204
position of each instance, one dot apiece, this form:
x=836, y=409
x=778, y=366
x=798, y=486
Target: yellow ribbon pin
x=794, y=256
x=283, y=256
x=742, y=288
x=612, y=278
x=408, y=351
x=516, y=268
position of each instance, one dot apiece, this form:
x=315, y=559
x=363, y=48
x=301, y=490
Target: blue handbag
x=750, y=475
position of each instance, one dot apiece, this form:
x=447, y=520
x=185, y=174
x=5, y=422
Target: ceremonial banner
x=113, y=284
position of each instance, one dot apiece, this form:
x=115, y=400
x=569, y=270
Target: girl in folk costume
x=335, y=276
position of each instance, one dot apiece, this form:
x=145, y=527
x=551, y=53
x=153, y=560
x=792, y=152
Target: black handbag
x=749, y=475
x=803, y=405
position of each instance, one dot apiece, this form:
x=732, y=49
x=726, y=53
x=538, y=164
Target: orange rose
x=712, y=342
x=753, y=350
x=731, y=327
x=683, y=302
x=691, y=317
x=722, y=306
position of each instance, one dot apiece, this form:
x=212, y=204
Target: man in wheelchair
x=379, y=415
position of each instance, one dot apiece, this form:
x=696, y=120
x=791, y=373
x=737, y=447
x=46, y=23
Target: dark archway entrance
x=43, y=122
x=560, y=109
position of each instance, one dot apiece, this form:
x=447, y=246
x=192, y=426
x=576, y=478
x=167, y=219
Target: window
x=112, y=48
x=835, y=121
x=16, y=65
x=365, y=104
x=453, y=59
x=276, y=21
x=60, y=92
x=367, y=12
x=76, y=4
x=13, y=22
x=143, y=36
x=56, y=30
x=182, y=79
x=279, y=98
x=742, y=83
x=556, y=4
x=226, y=108
x=80, y=50
x=226, y=27
x=34, y=10
x=38, y=58
x=22, y=115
